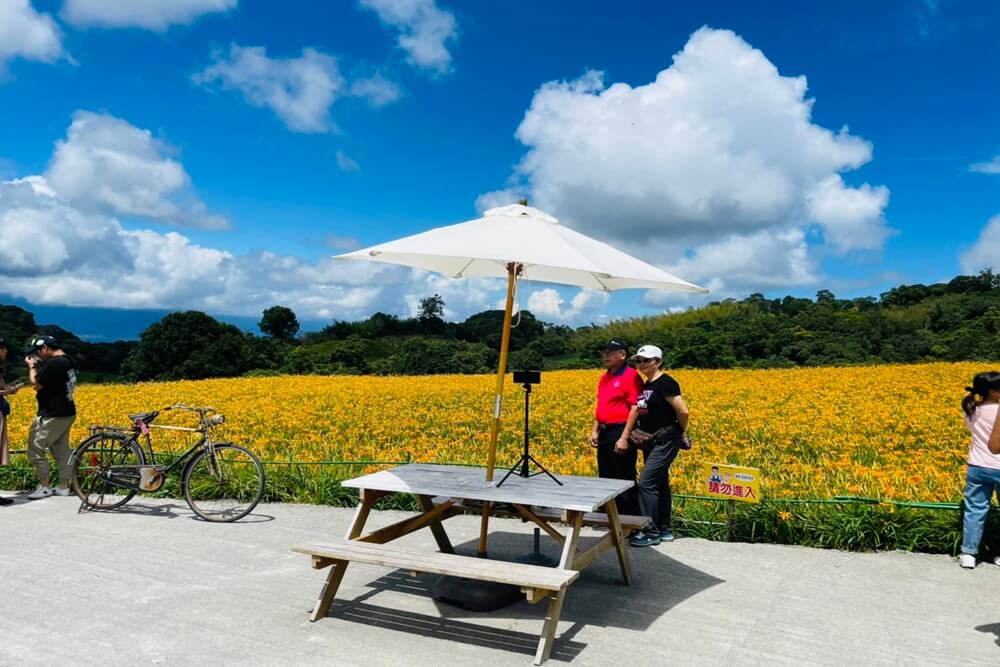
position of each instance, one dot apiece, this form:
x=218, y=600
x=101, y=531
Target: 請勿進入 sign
x=727, y=482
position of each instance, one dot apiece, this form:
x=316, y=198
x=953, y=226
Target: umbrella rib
x=467, y=265
x=601, y=282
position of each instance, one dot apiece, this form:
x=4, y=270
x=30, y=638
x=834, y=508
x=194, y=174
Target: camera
x=527, y=377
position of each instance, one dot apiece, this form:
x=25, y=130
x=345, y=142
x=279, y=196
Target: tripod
x=526, y=458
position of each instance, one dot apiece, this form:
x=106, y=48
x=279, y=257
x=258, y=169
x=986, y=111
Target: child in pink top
x=982, y=480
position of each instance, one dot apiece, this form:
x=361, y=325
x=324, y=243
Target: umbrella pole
x=501, y=373
x=512, y=270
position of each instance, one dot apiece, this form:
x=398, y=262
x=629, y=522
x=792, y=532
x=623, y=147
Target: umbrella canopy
x=545, y=250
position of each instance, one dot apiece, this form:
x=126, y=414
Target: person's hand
x=30, y=360
x=621, y=447
x=593, y=438
x=13, y=389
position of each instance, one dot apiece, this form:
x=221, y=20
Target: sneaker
x=666, y=536
x=968, y=561
x=6, y=501
x=996, y=561
x=40, y=492
x=62, y=491
x=645, y=540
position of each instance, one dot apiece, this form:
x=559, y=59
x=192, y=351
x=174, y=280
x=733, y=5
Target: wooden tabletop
x=584, y=494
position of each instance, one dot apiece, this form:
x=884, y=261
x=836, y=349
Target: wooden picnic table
x=446, y=491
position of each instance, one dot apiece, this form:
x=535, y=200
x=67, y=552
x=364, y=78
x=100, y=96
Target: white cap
x=648, y=352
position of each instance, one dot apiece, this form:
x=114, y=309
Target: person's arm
x=594, y=433
x=681, y=408
x=994, y=441
x=33, y=373
x=633, y=416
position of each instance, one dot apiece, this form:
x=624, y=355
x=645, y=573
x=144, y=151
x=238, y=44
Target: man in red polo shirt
x=617, y=394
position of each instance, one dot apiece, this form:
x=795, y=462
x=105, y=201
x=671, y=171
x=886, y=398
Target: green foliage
x=279, y=322
x=431, y=308
x=187, y=345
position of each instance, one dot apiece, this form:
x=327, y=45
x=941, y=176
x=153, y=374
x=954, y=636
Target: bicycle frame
x=142, y=429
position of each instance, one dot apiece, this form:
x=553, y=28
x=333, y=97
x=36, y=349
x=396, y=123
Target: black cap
x=615, y=344
x=38, y=341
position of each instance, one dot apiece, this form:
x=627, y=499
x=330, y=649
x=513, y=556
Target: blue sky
x=213, y=154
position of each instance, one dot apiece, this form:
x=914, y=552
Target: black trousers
x=617, y=466
x=654, y=484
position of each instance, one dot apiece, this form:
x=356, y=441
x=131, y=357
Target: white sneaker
x=40, y=492
x=62, y=491
x=996, y=561
x=968, y=561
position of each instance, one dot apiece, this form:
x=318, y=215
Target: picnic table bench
x=447, y=491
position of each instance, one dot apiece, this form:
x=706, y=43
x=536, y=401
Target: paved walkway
x=152, y=585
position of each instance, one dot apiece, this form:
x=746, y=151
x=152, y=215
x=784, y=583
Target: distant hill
x=954, y=321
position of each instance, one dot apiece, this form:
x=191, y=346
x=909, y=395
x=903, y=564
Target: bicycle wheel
x=98, y=456
x=224, y=483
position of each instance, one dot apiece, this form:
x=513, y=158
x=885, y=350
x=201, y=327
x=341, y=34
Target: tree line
x=953, y=321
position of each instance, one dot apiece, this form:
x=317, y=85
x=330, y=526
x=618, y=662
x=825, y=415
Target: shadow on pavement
x=991, y=628
x=169, y=511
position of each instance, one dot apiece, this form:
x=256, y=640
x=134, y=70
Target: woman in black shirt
x=660, y=408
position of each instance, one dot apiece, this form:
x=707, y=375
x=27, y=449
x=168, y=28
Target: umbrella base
x=475, y=595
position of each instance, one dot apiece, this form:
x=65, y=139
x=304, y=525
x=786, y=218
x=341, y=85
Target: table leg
x=437, y=527
x=549, y=629
x=336, y=575
x=575, y=521
x=618, y=538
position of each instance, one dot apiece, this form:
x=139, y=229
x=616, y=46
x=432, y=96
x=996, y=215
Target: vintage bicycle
x=220, y=481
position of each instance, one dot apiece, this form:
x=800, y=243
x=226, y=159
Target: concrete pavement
x=152, y=585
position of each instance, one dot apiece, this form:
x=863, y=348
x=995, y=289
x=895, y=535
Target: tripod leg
x=542, y=469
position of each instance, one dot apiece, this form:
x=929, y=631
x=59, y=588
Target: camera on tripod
x=523, y=466
x=527, y=377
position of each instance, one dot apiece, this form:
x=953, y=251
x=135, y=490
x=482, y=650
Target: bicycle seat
x=144, y=417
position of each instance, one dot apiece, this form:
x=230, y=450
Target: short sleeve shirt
x=655, y=411
x=617, y=392
x=58, y=379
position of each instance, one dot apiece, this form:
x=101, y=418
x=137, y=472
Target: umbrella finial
x=523, y=201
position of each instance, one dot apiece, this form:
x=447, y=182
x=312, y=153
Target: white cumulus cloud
x=155, y=15
x=549, y=304
x=423, y=28
x=301, y=91
x=719, y=153
x=985, y=253
x=26, y=33
x=108, y=165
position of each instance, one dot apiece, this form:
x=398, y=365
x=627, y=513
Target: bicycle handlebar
x=190, y=408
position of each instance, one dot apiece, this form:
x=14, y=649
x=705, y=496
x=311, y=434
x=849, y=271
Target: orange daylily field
x=887, y=432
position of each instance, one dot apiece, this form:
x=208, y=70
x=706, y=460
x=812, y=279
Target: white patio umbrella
x=519, y=241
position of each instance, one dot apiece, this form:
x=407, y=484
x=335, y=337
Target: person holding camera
x=5, y=391
x=617, y=394
x=660, y=421
x=52, y=374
